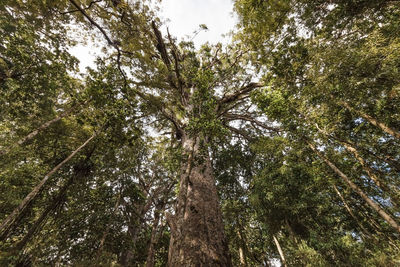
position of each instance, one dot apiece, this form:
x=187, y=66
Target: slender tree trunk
x=358, y=190
x=372, y=175
x=242, y=258
x=38, y=130
x=103, y=238
x=373, y=121
x=278, y=246
x=153, y=239
x=242, y=249
x=53, y=205
x=388, y=159
x=10, y=220
x=197, y=230
x=385, y=158
x=365, y=231
x=353, y=150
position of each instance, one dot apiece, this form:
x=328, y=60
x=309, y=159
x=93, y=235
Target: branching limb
x=231, y=117
x=237, y=95
x=239, y=132
x=114, y=44
x=177, y=59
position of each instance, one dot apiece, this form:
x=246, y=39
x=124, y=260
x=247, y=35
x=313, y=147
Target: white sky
x=183, y=18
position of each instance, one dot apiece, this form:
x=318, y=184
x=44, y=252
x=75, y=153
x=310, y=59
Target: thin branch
x=9, y=221
x=109, y=41
x=40, y=129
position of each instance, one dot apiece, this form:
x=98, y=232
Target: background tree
x=344, y=103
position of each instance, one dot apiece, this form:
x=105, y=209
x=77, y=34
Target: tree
x=328, y=67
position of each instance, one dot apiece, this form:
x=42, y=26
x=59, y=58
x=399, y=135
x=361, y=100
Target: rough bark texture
x=197, y=231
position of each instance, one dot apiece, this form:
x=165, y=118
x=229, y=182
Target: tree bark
x=358, y=190
x=197, y=230
x=9, y=221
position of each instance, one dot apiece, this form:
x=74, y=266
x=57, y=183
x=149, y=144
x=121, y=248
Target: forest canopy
x=281, y=146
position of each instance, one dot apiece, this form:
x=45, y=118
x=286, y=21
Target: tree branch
x=239, y=132
x=78, y=10
x=231, y=117
x=109, y=41
x=160, y=45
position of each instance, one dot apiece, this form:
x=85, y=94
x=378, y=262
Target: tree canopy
x=283, y=145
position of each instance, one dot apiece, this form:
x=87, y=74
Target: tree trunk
x=351, y=148
x=278, y=246
x=358, y=190
x=373, y=121
x=364, y=231
x=153, y=239
x=197, y=230
x=37, y=130
x=50, y=208
x=391, y=191
x=103, y=238
x=9, y=221
x=242, y=248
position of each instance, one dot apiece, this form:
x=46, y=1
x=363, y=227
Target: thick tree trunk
x=197, y=230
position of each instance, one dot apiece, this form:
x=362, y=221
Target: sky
x=182, y=17
x=185, y=16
